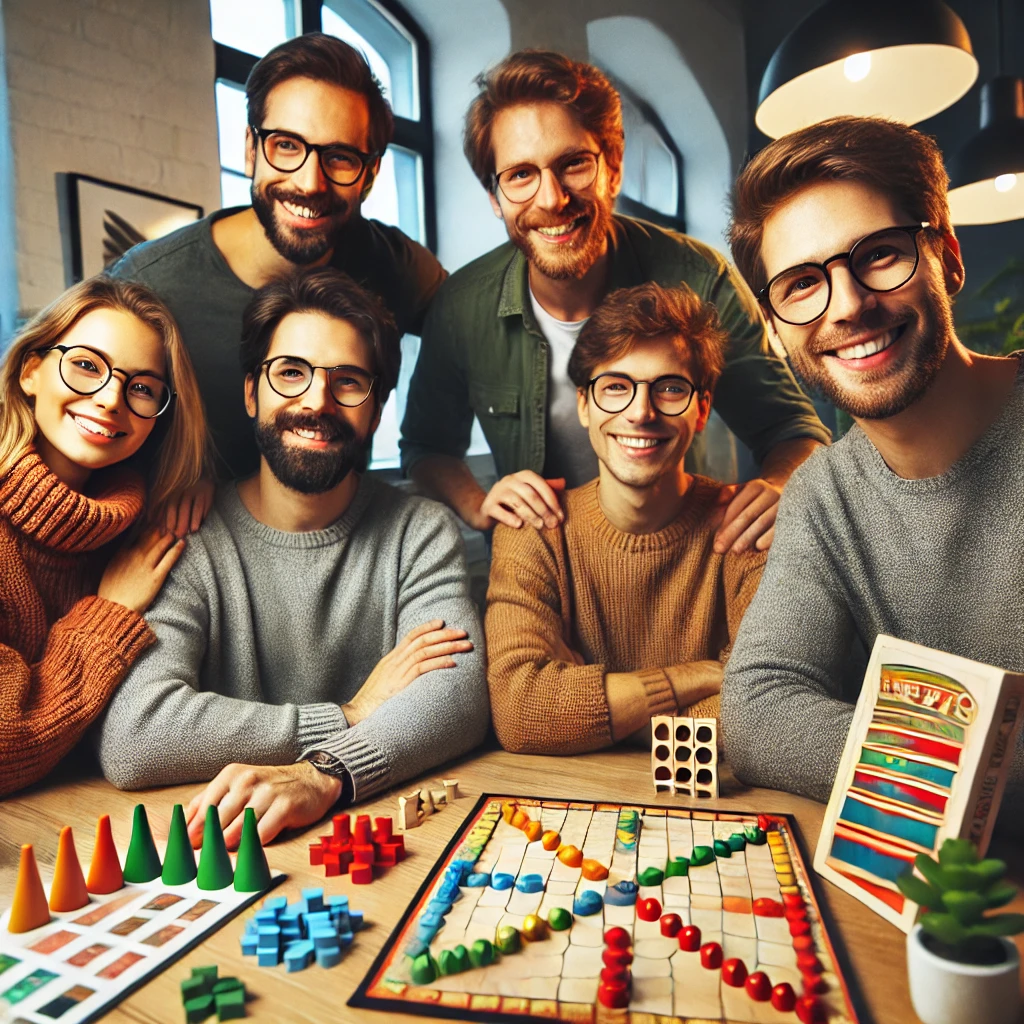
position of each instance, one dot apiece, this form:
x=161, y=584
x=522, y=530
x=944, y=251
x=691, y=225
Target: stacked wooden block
x=684, y=755
x=355, y=851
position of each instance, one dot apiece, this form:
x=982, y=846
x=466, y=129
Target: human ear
x=773, y=336
x=703, y=410
x=614, y=181
x=29, y=376
x=952, y=263
x=250, y=396
x=495, y=205
x=583, y=408
x=369, y=179
x=250, y=152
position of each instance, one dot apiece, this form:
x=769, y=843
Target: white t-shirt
x=567, y=451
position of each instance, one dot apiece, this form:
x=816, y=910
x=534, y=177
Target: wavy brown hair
x=174, y=456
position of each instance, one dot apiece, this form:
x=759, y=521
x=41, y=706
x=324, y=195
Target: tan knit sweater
x=61, y=653
x=568, y=609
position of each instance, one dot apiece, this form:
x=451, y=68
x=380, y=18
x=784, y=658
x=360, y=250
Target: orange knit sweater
x=61, y=653
x=568, y=607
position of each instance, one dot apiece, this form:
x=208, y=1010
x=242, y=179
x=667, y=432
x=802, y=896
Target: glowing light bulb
x=1004, y=182
x=857, y=66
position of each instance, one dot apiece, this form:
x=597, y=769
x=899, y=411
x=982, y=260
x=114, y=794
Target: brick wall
x=119, y=89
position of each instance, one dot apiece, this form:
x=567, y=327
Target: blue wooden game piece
x=356, y=917
x=313, y=900
x=321, y=919
x=268, y=937
x=328, y=956
x=441, y=907
x=268, y=957
x=586, y=903
x=621, y=895
x=249, y=944
x=276, y=904
x=500, y=880
x=478, y=879
x=415, y=946
x=265, y=917
x=298, y=956
x=336, y=903
x=323, y=937
x=530, y=883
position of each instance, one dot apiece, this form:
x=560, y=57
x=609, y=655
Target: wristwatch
x=325, y=762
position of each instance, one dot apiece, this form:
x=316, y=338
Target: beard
x=926, y=333
x=301, y=246
x=306, y=470
x=575, y=258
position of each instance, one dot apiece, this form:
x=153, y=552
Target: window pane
x=335, y=25
x=252, y=26
x=396, y=197
x=650, y=173
x=231, y=123
x=234, y=189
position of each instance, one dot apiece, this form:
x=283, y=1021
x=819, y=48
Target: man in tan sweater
x=624, y=610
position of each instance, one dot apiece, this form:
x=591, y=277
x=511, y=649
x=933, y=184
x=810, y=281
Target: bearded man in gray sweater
x=911, y=524
x=316, y=641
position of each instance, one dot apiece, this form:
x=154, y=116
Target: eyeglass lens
x=291, y=377
x=669, y=395
x=574, y=172
x=87, y=372
x=288, y=153
x=881, y=262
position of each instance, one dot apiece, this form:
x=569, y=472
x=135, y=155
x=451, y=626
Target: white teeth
x=638, y=442
x=558, y=229
x=300, y=211
x=309, y=435
x=94, y=428
x=866, y=349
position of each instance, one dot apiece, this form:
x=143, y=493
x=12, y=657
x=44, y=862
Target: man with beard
x=318, y=126
x=545, y=138
x=910, y=525
x=623, y=611
x=318, y=640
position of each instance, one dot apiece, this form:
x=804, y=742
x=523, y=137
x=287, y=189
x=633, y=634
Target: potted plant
x=962, y=968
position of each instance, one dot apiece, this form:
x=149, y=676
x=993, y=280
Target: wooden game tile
x=544, y=1008
x=739, y=924
x=415, y=994
x=515, y=1004
x=706, y=901
x=703, y=815
x=737, y=904
x=486, y=1004
x=455, y=1000
x=577, y=1013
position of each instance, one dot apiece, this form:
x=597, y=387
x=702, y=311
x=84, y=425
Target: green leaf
x=999, y=924
x=957, y=851
x=965, y=877
x=991, y=870
x=945, y=927
x=1000, y=894
x=932, y=872
x=920, y=891
x=1002, y=305
x=966, y=907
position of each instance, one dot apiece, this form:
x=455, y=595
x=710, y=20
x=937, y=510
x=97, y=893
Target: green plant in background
x=956, y=891
x=996, y=323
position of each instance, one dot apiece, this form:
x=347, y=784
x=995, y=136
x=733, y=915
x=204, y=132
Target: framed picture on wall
x=101, y=220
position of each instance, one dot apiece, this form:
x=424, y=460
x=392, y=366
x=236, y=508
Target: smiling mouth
x=561, y=230
x=863, y=350
x=308, y=434
x=92, y=427
x=639, y=443
x=303, y=212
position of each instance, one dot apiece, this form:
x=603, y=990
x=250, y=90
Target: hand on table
x=748, y=520
x=285, y=796
x=187, y=514
x=136, y=573
x=523, y=497
x=422, y=650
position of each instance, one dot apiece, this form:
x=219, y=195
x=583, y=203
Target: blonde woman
x=101, y=429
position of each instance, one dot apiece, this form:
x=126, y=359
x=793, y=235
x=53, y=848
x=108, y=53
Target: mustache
x=331, y=427
x=872, y=320
x=576, y=207
x=323, y=204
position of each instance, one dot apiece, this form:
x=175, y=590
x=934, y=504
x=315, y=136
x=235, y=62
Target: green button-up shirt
x=482, y=353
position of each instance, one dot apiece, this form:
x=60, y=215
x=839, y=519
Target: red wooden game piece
x=796, y=913
x=613, y=974
x=758, y=987
x=711, y=956
x=792, y=899
x=613, y=994
x=616, y=957
x=342, y=827
x=783, y=997
x=331, y=865
x=767, y=907
x=803, y=943
x=363, y=853
x=689, y=939
x=765, y=823
x=363, y=834
x=808, y=963
x=382, y=833
x=671, y=925
x=618, y=938
x=361, y=874
x=810, y=1011
x=799, y=928
x=316, y=854
x=734, y=972
x=814, y=984
x=385, y=857
x=648, y=910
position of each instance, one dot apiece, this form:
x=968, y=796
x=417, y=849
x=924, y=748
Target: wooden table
x=874, y=959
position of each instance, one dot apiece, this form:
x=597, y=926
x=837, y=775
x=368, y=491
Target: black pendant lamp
x=902, y=59
x=987, y=176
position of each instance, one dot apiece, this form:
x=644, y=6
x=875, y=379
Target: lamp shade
x=902, y=59
x=987, y=175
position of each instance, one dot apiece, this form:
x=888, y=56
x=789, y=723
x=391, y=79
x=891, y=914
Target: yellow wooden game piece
x=533, y=830
x=594, y=870
x=534, y=928
x=551, y=840
x=786, y=878
x=507, y=810
x=520, y=819
x=787, y=889
x=571, y=856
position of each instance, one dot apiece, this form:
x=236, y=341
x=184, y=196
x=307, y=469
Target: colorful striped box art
x=926, y=759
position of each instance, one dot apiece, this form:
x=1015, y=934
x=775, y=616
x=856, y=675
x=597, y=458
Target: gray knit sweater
x=859, y=551
x=262, y=634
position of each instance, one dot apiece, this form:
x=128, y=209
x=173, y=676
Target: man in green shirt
x=318, y=126
x=545, y=138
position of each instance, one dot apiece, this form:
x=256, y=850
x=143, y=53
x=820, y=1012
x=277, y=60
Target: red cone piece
x=783, y=997
x=799, y=928
x=618, y=938
x=711, y=956
x=105, y=869
x=671, y=924
x=689, y=939
x=29, y=908
x=792, y=899
x=808, y=963
x=648, y=910
x=758, y=987
x=613, y=957
x=766, y=907
x=614, y=974
x=803, y=943
x=809, y=1010
x=734, y=972
x=613, y=994
x=67, y=891
x=814, y=984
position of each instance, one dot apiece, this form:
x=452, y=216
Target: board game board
x=81, y=963
x=736, y=879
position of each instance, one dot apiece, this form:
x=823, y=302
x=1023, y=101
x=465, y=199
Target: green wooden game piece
x=481, y=953
x=423, y=970
x=754, y=835
x=215, y=871
x=651, y=876
x=453, y=961
x=193, y=987
x=142, y=864
x=252, y=874
x=209, y=973
x=559, y=919
x=227, y=985
x=722, y=848
x=198, y=1009
x=230, y=1005
x=701, y=855
x=507, y=939
x=736, y=842
x=677, y=866
x=179, y=860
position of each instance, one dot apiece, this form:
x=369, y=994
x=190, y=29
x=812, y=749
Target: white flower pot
x=946, y=992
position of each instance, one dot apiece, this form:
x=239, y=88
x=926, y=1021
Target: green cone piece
x=702, y=855
x=507, y=939
x=737, y=842
x=559, y=919
x=423, y=970
x=454, y=961
x=252, y=874
x=481, y=953
x=215, y=871
x=179, y=860
x=651, y=876
x=143, y=862
x=677, y=866
x=722, y=848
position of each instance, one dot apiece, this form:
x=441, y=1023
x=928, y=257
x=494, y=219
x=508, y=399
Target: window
x=244, y=30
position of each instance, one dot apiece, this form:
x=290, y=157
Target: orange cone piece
x=68, y=890
x=29, y=909
x=105, y=868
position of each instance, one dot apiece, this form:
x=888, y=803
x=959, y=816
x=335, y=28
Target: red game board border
x=361, y=998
